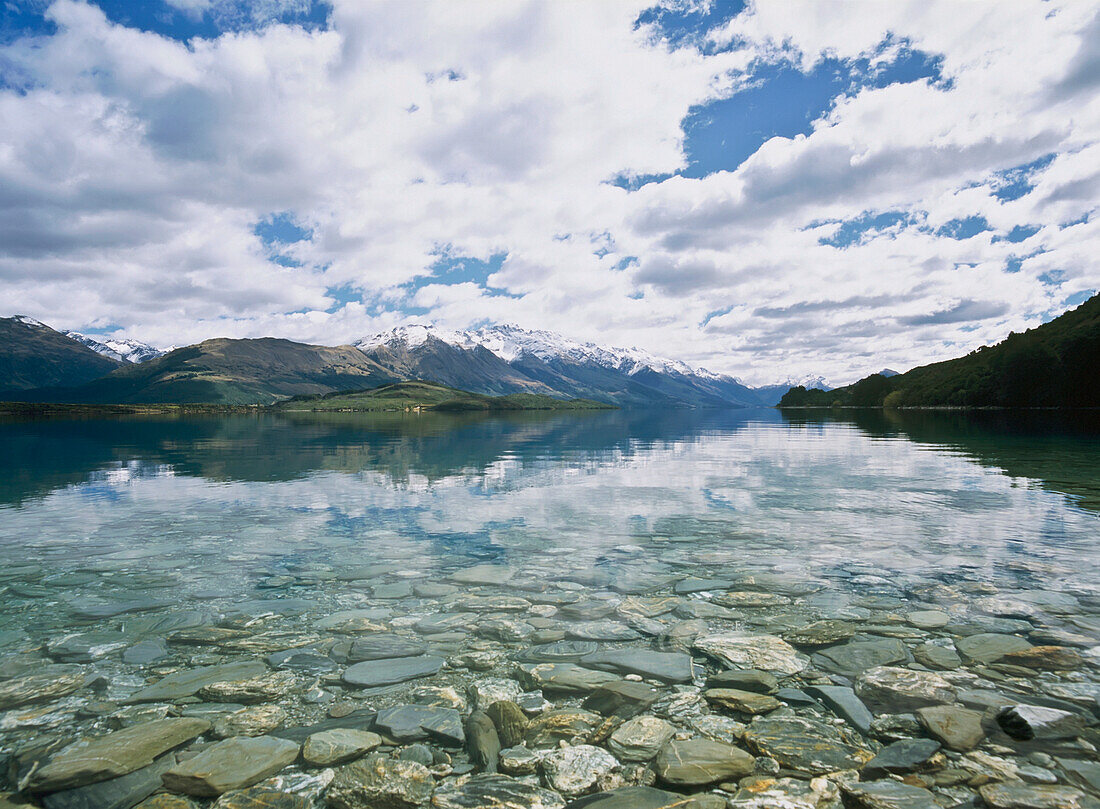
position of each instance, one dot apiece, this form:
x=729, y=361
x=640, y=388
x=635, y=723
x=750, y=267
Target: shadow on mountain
x=1060, y=450
x=42, y=455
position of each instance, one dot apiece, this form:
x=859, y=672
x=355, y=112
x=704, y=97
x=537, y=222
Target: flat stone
x=694, y=585
x=1045, y=658
x=601, y=630
x=699, y=762
x=843, y=701
x=384, y=646
x=412, y=723
x=646, y=798
x=563, y=678
x=565, y=651
x=146, y=652
x=887, y=794
x=262, y=797
x=116, y=793
x=905, y=756
x=485, y=574
x=491, y=792
x=805, y=745
x=374, y=673
x=746, y=702
x=750, y=598
x=746, y=650
x=928, y=619
x=166, y=800
x=86, y=647
x=378, y=782
x=989, y=647
x=852, y=658
x=575, y=770
x=445, y=622
x=518, y=760
x=898, y=689
x=188, y=682
x=231, y=764
x=115, y=754
x=668, y=667
x=350, y=622
x=1017, y=795
x=96, y=610
x=331, y=747
x=935, y=656
x=759, y=682
x=956, y=728
x=640, y=738
x=304, y=661
x=49, y=684
x=622, y=698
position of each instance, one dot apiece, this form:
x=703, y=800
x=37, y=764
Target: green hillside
x=32, y=355
x=229, y=372
x=1053, y=365
x=430, y=396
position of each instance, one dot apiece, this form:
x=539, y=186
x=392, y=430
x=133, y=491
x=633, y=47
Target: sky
x=768, y=190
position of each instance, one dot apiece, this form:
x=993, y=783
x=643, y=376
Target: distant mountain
x=884, y=372
x=224, y=371
x=403, y=396
x=507, y=359
x=771, y=394
x=32, y=355
x=123, y=350
x=1053, y=365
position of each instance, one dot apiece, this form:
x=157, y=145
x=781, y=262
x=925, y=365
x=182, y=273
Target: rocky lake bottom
x=594, y=612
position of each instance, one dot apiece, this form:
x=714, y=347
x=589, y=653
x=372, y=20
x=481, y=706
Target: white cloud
x=134, y=167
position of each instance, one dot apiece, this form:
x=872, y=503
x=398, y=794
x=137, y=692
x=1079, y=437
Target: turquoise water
x=194, y=509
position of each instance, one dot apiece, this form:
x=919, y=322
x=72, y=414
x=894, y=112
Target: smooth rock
x=146, y=652
x=843, y=701
x=490, y=792
x=989, y=647
x=935, y=656
x=384, y=647
x=116, y=793
x=231, y=764
x=1026, y=722
x=484, y=574
x=646, y=798
x=565, y=651
x=338, y=746
x=956, y=728
x=563, y=678
x=254, y=721
x=1016, y=795
x=905, y=756
x=115, y=754
x=601, y=631
x=622, y=698
x=759, y=682
x=820, y=633
x=510, y=721
x=699, y=762
x=482, y=741
x=518, y=760
x=852, y=658
x=262, y=797
x=928, y=619
x=667, y=667
x=86, y=647
x=188, y=682
x=1045, y=658
x=411, y=723
x=374, y=673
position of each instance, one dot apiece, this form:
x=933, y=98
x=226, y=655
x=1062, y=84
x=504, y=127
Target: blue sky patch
x=963, y=228
x=854, y=231
x=1013, y=183
x=687, y=24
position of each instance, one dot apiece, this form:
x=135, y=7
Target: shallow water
x=143, y=526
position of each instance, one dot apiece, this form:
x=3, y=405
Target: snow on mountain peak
x=118, y=348
x=510, y=343
x=28, y=321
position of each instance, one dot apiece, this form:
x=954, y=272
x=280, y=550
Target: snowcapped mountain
x=508, y=359
x=771, y=394
x=123, y=350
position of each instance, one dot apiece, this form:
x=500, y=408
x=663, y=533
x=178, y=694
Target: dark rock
x=377, y=782
x=646, y=798
x=331, y=747
x=622, y=698
x=1017, y=795
x=906, y=756
x=482, y=741
x=563, y=678
x=231, y=764
x=188, y=682
x=412, y=723
x=262, y=797
x=1026, y=722
x=565, y=651
x=989, y=647
x=957, y=728
x=493, y=792
x=804, y=745
x=887, y=794
x=48, y=683
x=741, y=701
x=146, y=652
x=374, y=673
x=1045, y=658
x=744, y=680
x=510, y=721
x=852, y=658
x=384, y=646
x=668, y=667
x=843, y=701
x=116, y=793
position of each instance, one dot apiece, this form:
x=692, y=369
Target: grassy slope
x=427, y=395
x=1053, y=365
x=37, y=356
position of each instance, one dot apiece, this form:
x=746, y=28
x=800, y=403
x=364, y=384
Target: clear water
x=201, y=511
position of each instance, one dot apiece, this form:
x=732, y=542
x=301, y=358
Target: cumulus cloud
x=134, y=169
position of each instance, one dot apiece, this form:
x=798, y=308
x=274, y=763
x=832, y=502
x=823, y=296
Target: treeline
x=1054, y=365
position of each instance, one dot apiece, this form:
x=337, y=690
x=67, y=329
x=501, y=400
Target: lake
x=538, y=557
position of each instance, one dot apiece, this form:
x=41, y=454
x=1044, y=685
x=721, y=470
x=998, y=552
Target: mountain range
x=495, y=361
x=1053, y=365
